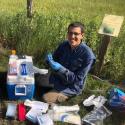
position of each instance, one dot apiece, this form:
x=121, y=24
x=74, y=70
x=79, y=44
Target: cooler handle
x=20, y=90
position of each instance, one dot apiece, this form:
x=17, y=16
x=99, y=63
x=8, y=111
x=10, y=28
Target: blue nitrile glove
x=55, y=65
x=49, y=57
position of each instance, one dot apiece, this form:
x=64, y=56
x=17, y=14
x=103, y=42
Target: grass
x=80, y=7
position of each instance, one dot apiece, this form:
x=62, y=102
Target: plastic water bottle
x=13, y=63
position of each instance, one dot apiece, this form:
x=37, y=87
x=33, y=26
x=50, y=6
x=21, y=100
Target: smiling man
x=70, y=64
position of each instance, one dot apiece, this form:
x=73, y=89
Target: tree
x=29, y=8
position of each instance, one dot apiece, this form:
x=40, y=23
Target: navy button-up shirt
x=77, y=63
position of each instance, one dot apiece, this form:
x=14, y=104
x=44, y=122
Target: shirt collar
x=76, y=48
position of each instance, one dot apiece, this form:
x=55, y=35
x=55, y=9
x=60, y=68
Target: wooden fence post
x=29, y=8
x=102, y=52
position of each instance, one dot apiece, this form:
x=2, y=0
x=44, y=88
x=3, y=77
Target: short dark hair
x=77, y=24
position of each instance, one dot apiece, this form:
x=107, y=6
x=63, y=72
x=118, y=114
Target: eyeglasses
x=74, y=33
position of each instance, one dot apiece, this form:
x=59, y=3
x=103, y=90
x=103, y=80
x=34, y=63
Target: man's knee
x=54, y=97
x=49, y=97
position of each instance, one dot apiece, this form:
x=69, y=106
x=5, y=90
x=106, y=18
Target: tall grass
x=48, y=28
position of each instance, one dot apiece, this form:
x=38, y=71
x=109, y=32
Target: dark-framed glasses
x=74, y=33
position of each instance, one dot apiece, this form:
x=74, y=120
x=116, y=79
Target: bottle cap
x=13, y=52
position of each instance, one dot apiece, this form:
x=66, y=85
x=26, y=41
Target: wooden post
x=102, y=52
x=29, y=8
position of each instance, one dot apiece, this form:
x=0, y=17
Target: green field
x=82, y=8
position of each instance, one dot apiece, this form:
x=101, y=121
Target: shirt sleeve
x=58, y=53
x=70, y=77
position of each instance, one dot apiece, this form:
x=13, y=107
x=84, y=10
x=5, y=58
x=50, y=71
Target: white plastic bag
x=74, y=108
x=44, y=120
x=37, y=105
x=96, y=101
x=96, y=115
x=68, y=117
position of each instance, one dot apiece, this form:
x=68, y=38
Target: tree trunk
x=29, y=8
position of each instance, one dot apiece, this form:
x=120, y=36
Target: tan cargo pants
x=54, y=97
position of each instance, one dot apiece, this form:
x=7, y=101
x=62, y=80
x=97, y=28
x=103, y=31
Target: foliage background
x=47, y=29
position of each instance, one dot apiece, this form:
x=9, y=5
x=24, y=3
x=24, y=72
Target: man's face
x=74, y=36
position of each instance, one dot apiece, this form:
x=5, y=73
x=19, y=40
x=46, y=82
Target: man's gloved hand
x=49, y=57
x=54, y=65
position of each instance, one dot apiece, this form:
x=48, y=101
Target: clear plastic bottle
x=13, y=63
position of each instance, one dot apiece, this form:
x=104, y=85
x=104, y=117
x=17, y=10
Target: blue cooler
x=22, y=85
x=23, y=91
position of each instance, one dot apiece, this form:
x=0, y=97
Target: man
x=70, y=64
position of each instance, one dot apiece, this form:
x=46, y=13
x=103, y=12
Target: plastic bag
x=37, y=105
x=96, y=115
x=69, y=117
x=11, y=110
x=96, y=101
x=44, y=120
x=74, y=108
